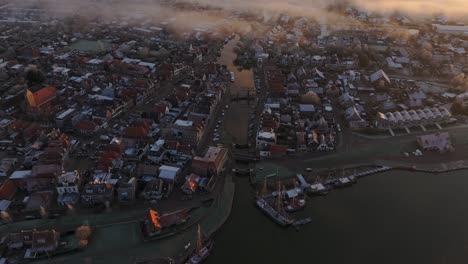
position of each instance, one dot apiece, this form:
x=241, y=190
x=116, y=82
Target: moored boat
x=294, y=200
x=294, y=205
x=278, y=214
x=279, y=217
x=342, y=182
x=317, y=189
x=203, y=250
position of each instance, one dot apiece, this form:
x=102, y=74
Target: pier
x=370, y=172
x=323, y=188
x=302, y=181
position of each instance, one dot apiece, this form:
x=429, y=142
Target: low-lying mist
x=218, y=15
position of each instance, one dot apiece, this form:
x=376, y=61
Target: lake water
x=394, y=217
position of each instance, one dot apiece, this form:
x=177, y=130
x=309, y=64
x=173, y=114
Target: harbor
x=269, y=203
x=272, y=204
x=364, y=214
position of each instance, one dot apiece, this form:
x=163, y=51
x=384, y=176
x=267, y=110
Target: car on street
x=233, y=78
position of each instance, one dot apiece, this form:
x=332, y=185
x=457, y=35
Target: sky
x=307, y=8
x=425, y=7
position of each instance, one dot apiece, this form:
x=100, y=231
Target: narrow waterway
x=238, y=113
x=392, y=217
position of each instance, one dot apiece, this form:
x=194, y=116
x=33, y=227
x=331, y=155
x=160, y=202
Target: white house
x=265, y=138
x=67, y=188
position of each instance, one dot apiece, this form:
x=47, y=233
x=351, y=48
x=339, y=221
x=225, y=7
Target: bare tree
x=83, y=233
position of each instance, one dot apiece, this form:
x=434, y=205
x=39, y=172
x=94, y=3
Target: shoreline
x=391, y=165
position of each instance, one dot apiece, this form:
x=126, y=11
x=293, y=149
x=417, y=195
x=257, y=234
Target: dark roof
x=87, y=125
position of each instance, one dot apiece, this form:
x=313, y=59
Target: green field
x=91, y=46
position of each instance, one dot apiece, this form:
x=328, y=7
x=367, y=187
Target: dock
x=370, y=172
x=304, y=183
x=322, y=188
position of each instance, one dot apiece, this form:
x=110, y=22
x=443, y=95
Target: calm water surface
x=393, y=217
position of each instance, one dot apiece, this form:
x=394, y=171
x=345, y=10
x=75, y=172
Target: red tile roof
x=160, y=108
x=278, y=148
x=166, y=220
x=135, y=132
x=106, y=158
x=7, y=190
x=116, y=147
x=44, y=95
x=145, y=123
x=20, y=125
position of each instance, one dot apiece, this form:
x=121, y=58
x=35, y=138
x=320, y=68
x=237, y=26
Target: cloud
x=110, y=9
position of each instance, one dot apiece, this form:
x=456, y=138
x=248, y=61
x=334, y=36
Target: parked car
x=233, y=78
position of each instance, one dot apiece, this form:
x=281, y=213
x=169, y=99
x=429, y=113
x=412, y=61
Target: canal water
x=237, y=115
x=392, y=217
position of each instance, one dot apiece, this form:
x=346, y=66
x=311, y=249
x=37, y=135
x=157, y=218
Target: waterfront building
x=155, y=223
x=34, y=241
x=126, y=190
x=210, y=164
x=413, y=118
x=94, y=194
x=168, y=175
x=437, y=142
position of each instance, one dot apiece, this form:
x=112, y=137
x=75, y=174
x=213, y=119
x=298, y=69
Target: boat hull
x=272, y=213
x=201, y=255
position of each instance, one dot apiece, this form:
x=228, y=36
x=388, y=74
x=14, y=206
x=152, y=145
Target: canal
x=237, y=115
x=392, y=217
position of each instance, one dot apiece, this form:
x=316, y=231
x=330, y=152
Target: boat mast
x=284, y=192
x=264, y=189
x=317, y=179
x=279, y=204
x=199, y=239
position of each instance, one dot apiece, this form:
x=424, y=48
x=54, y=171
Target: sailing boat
x=274, y=211
x=264, y=189
x=296, y=201
x=203, y=249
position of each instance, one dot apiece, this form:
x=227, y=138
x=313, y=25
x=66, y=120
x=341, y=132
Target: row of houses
x=412, y=118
